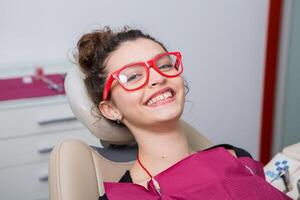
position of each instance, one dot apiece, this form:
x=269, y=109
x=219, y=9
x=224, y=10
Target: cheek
x=180, y=84
x=124, y=100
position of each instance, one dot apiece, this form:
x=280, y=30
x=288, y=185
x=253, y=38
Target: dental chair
x=77, y=170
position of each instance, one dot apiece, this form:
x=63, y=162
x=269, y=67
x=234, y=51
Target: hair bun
x=92, y=47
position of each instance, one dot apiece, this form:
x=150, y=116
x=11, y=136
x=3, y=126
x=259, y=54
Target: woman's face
x=137, y=107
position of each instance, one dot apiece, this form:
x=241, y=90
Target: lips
x=164, y=95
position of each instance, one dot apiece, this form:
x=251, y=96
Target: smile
x=161, y=98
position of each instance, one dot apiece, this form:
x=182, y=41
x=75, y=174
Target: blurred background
x=241, y=62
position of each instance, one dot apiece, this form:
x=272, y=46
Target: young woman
x=134, y=80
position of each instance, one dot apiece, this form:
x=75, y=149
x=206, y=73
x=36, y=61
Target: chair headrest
x=86, y=112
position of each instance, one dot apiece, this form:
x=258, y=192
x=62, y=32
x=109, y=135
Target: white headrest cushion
x=88, y=114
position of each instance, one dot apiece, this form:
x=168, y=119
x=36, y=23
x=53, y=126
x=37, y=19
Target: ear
x=109, y=111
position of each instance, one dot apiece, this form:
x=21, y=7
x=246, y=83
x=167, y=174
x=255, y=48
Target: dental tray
x=29, y=87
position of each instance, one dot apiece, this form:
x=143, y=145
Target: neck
x=160, y=150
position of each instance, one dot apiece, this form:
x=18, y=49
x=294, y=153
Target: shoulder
x=239, y=152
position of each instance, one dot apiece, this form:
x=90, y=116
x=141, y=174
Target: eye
x=134, y=77
x=166, y=67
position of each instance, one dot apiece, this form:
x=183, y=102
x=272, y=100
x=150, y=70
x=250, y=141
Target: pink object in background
x=40, y=75
x=30, y=86
x=39, y=72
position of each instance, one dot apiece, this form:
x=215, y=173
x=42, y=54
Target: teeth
x=160, y=97
x=167, y=94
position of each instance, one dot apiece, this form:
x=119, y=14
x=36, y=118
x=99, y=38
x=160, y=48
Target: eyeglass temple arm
x=177, y=63
x=107, y=87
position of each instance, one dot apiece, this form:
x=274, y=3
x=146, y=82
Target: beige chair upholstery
x=76, y=170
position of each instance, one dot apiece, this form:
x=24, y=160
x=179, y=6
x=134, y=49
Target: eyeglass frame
x=147, y=65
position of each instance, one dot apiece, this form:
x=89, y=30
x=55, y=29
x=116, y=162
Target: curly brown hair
x=93, y=49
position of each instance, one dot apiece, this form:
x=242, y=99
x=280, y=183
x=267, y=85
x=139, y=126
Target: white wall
x=223, y=46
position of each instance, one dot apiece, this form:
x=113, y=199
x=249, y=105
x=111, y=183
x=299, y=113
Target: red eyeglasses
x=134, y=76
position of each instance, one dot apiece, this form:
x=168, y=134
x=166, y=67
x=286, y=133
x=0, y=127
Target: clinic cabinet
x=30, y=128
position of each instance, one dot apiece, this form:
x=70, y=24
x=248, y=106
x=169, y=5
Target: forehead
x=132, y=51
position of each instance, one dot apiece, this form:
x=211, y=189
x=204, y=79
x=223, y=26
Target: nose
x=155, y=78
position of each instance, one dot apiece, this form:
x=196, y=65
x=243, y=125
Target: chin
x=168, y=115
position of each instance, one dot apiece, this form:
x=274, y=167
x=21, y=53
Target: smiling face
x=159, y=101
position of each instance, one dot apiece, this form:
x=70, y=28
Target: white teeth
x=167, y=94
x=160, y=97
x=150, y=102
